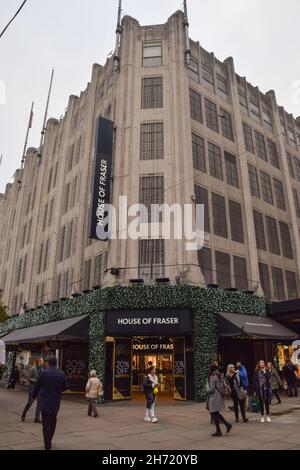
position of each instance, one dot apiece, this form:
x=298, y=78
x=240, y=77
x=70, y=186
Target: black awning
x=232, y=324
x=71, y=329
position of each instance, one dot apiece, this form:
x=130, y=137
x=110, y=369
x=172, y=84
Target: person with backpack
x=217, y=390
x=262, y=389
x=237, y=392
x=151, y=390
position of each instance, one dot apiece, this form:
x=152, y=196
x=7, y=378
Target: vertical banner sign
x=75, y=366
x=179, y=369
x=122, y=369
x=102, y=179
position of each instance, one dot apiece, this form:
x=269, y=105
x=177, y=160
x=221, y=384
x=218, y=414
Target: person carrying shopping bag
x=94, y=390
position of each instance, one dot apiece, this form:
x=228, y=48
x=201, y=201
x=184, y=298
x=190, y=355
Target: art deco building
x=187, y=128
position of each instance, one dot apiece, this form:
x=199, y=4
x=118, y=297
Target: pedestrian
x=94, y=390
x=32, y=376
x=290, y=374
x=237, y=392
x=216, y=399
x=14, y=378
x=49, y=386
x=276, y=383
x=151, y=389
x=262, y=389
x=243, y=374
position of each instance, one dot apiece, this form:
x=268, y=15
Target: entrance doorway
x=128, y=361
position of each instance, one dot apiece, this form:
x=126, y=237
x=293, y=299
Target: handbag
x=241, y=393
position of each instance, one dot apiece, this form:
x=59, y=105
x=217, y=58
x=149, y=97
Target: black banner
x=75, y=365
x=122, y=369
x=102, y=179
x=179, y=369
x=149, y=323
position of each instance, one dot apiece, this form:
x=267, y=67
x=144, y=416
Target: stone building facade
x=184, y=132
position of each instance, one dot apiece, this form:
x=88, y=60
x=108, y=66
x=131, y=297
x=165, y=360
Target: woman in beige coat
x=94, y=390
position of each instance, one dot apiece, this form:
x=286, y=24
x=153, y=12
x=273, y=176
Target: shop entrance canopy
x=231, y=324
x=71, y=329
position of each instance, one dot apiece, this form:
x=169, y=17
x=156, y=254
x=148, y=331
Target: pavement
x=121, y=426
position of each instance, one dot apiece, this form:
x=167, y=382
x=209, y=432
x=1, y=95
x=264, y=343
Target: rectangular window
x=273, y=154
x=222, y=84
x=211, y=115
x=273, y=238
x=254, y=108
x=152, y=141
x=290, y=164
x=236, y=222
x=151, y=258
x=286, y=242
x=266, y=188
x=207, y=74
x=267, y=118
x=223, y=270
x=219, y=215
x=61, y=245
x=87, y=271
x=50, y=180
x=259, y=231
x=279, y=194
x=253, y=179
x=202, y=198
x=226, y=123
x=66, y=198
x=195, y=106
x=231, y=170
x=204, y=259
x=46, y=255
x=215, y=161
x=248, y=138
x=152, y=54
x=260, y=146
x=151, y=192
x=242, y=99
x=198, y=153
x=152, y=92
x=24, y=269
x=99, y=268
x=291, y=285
x=278, y=283
x=297, y=202
x=265, y=279
x=193, y=69
x=240, y=273
x=297, y=168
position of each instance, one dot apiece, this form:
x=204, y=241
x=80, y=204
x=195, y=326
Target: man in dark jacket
x=32, y=376
x=49, y=386
x=290, y=375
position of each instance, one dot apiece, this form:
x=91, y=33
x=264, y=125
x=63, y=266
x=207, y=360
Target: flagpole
x=25, y=145
x=45, y=118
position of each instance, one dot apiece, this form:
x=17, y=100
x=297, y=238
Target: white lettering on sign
x=148, y=321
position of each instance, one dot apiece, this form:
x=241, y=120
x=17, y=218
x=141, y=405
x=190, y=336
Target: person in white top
x=94, y=390
x=151, y=390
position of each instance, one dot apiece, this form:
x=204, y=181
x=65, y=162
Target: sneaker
x=154, y=420
x=269, y=419
x=262, y=420
x=147, y=419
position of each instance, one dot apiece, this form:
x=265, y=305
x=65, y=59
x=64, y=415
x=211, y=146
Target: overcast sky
x=70, y=35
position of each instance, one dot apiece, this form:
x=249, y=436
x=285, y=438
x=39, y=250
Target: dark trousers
x=238, y=404
x=30, y=402
x=92, y=407
x=264, y=404
x=292, y=389
x=49, y=426
x=217, y=418
x=275, y=394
